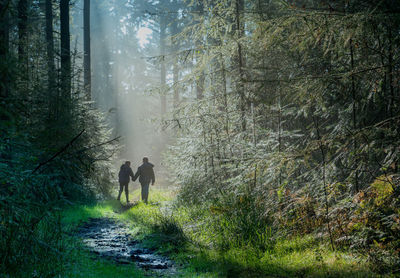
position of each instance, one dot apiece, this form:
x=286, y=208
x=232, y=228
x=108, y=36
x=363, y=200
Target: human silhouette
x=145, y=173
x=124, y=173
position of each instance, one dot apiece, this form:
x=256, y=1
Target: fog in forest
x=125, y=71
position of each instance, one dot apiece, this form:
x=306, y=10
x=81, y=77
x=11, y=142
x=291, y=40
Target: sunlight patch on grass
x=156, y=196
x=80, y=263
x=298, y=256
x=80, y=213
x=85, y=265
x=156, y=224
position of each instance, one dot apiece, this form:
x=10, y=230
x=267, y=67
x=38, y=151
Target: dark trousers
x=145, y=191
x=121, y=188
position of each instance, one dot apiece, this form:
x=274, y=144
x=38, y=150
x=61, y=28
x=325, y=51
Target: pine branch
x=59, y=152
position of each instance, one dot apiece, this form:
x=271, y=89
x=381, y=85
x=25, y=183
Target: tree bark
x=200, y=86
x=22, y=10
x=175, y=70
x=86, y=47
x=50, y=57
x=390, y=71
x=240, y=86
x=163, y=73
x=354, y=112
x=324, y=183
x=201, y=78
x=4, y=45
x=176, y=85
x=65, y=51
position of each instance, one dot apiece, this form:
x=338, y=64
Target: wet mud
x=110, y=239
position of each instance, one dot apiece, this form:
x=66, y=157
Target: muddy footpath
x=110, y=239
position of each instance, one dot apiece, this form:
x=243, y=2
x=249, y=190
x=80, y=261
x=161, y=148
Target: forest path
x=111, y=239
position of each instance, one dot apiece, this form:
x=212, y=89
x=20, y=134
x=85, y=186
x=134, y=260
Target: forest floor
x=107, y=238
x=110, y=239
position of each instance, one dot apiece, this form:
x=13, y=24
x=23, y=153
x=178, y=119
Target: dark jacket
x=145, y=173
x=124, y=173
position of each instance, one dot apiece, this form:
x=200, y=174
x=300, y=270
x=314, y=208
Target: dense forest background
x=282, y=118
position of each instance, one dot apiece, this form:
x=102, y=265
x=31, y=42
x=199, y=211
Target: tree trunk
x=65, y=51
x=200, y=79
x=175, y=70
x=176, y=85
x=354, y=112
x=324, y=182
x=22, y=10
x=163, y=27
x=390, y=71
x=51, y=68
x=280, y=134
x=6, y=154
x=4, y=45
x=86, y=47
x=240, y=86
x=200, y=86
x=226, y=104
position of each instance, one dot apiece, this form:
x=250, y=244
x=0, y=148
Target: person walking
x=124, y=173
x=145, y=173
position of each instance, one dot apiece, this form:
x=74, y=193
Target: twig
x=101, y=144
x=59, y=152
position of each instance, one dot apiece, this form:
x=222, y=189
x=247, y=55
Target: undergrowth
x=187, y=235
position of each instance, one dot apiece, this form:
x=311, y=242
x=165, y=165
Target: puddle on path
x=110, y=239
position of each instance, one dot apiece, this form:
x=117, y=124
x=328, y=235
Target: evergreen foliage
x=54, y=147
x=281, y=119
x=298, y=130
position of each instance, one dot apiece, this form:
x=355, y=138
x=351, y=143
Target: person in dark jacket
x=124, y=173
x=145, y=173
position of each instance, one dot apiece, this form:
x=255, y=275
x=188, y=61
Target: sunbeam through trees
x=273, y=127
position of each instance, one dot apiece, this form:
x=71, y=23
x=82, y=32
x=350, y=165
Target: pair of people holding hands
x=145, y=173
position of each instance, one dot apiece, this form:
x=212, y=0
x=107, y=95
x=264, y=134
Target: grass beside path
x=80, y=262
x=184, y=235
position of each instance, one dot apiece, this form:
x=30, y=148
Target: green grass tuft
x=188, y=237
